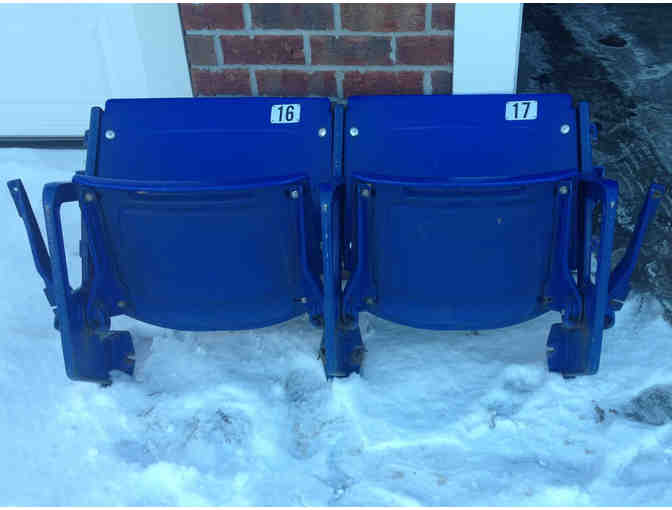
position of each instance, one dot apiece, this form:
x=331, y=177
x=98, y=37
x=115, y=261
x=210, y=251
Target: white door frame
x=164, y=56
x=487, y=47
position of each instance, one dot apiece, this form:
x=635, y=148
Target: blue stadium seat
x=475, y=212
x=442, y=212
x=198, y=214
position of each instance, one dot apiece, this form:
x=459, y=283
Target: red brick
x=262, y=49
x=443, y=16
x=296, y=83
x=442, y=82
x=425, y=50
x=383, y=17
x=212, y=16
x=293, y=16
x=201, y=50
x=351, y=50
x=382, y=82
x=212, y=83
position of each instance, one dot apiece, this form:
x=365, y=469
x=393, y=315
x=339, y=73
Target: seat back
x=453, y=210
x=209, y=207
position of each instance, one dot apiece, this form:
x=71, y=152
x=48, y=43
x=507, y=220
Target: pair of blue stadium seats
x=439, y=212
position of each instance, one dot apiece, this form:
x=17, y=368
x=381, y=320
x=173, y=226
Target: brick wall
x=334, y=50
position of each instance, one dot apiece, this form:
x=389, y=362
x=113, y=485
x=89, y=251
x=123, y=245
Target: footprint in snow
x=308, y=398
x=652, y=406
x=205, y=437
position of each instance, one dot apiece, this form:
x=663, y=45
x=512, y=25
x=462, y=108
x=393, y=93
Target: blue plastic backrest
x=213, y=140
x=212, y=259
x=446, y=256
x=459, y=136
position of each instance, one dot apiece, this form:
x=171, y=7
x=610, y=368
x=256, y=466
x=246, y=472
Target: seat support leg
x=576, y=349
x=89, y=353
x=342, y=349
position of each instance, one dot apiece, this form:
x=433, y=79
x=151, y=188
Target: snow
x=246, y=418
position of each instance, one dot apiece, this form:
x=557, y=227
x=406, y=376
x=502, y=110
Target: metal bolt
x=366, y=192
x=16, y=190
x=325, y=207
x=499, y=221
x=322, y=132
x=564, y=129
x=550, y=349
x=357, y=356
x=294, y=194
x=131, y=357
x=563, y=190
x=370, y=301
x=354, y=131
x=121, y=304
x=89, y=197
x=350, y=245
x=110, y=135
x=303, y=300
x=612, y=203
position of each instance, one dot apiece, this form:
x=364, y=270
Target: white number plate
x=285, y=113
x=521, y=110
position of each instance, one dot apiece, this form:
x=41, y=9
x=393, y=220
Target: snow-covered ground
x=246, y=418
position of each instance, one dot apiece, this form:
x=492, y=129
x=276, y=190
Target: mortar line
x=338, y=26
x=339, y=75
x=247, y=16
x=343, y=68
x=254, y=86
x=219, y=54
x=307, y=51
x=427, y=83
x=252, y=32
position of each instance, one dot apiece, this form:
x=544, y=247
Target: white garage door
x=59, y=60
